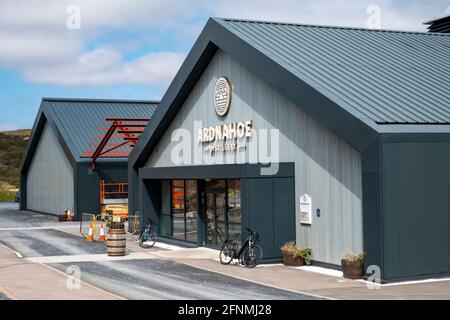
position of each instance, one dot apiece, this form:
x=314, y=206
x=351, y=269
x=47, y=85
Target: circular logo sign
x=222, y=96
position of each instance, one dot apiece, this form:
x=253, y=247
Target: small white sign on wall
x=305, y=209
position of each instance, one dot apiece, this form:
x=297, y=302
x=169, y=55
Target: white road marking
x=55, y=227
x=18, y=254
x=405, y=282
x=90, y=258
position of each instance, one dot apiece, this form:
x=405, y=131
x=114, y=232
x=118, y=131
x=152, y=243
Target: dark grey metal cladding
x=416, y=205
x=268, y=202
x=87, y=190
x=372, y=205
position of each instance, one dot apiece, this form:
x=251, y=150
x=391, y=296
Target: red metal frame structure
x=127, y=129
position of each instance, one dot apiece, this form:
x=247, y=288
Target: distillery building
x=336, y=138
x=68, y=160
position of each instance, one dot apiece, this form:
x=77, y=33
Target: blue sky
x=132, y=49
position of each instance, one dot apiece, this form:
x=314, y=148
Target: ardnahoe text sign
x=225, y=137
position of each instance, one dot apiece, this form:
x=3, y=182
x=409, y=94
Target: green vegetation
x=8, y=196
x=12, y=147
x=293, y=250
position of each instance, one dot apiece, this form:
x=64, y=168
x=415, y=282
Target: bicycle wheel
x=142, y=238
x=252, y=256
x=147, y=239
x=151, y=240
x=226, y=253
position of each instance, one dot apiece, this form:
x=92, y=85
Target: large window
x=184, y=209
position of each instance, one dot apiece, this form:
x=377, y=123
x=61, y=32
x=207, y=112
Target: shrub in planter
x=353, y=265
x=294, y=255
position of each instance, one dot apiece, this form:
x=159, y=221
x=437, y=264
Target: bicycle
x=147, y=238
x=250, y=254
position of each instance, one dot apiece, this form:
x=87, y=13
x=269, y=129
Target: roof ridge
x=134, y=101
x=329, y=26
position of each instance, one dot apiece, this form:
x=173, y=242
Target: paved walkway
x=20, y=279
x=306, y=282
x=324, y=286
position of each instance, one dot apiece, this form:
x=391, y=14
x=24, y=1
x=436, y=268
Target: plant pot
x=291, y=261
x=352, y=269
x=62, y=218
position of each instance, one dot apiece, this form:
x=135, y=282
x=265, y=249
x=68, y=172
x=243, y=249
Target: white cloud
x=35, y=41
x=107, y=67
x=398, y=15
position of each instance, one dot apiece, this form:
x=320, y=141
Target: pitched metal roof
x=77, y=121
x=355, y=82
x=387, y=76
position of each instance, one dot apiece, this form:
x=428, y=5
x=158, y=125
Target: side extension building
x=54, y=174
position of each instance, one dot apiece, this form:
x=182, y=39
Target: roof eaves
x=425, y=33
x=53, y=99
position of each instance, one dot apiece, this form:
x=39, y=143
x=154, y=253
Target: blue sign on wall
x=318, y=213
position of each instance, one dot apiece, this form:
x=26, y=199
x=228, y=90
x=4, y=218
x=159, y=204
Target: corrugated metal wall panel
x=50, y=180
x=386, y=76
x=326, y=168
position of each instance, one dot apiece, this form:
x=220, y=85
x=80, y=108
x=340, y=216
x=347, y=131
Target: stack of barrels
x=116, y=240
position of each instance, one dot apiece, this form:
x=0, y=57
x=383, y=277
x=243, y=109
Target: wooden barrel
x=116, y=242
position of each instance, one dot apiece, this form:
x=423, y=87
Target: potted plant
x=294, y=255
x=116, y=239
x=353, y=265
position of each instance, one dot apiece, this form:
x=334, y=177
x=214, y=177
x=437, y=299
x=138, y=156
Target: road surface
x=35, y=235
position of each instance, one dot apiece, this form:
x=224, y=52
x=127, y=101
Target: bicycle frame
x=247, y=243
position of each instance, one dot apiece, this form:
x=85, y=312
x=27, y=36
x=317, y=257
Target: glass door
x=215, y=214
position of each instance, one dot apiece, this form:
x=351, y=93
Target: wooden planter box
x=352, y=270
x=289, y=260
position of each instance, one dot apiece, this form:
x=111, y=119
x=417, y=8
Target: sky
x=132, y=49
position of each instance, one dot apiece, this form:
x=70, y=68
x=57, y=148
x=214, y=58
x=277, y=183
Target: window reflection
x=184, y=209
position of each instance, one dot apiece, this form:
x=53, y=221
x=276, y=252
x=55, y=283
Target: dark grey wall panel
x=88, y=184
x=416, y=209
x=261, y=215
x=440, y=206
x=372, y=204
x=284, y=211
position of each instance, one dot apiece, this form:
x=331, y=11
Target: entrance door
x=215, y=215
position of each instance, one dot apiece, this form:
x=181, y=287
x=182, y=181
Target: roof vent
x=440, y=25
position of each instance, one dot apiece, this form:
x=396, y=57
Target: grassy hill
x=12, y=147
